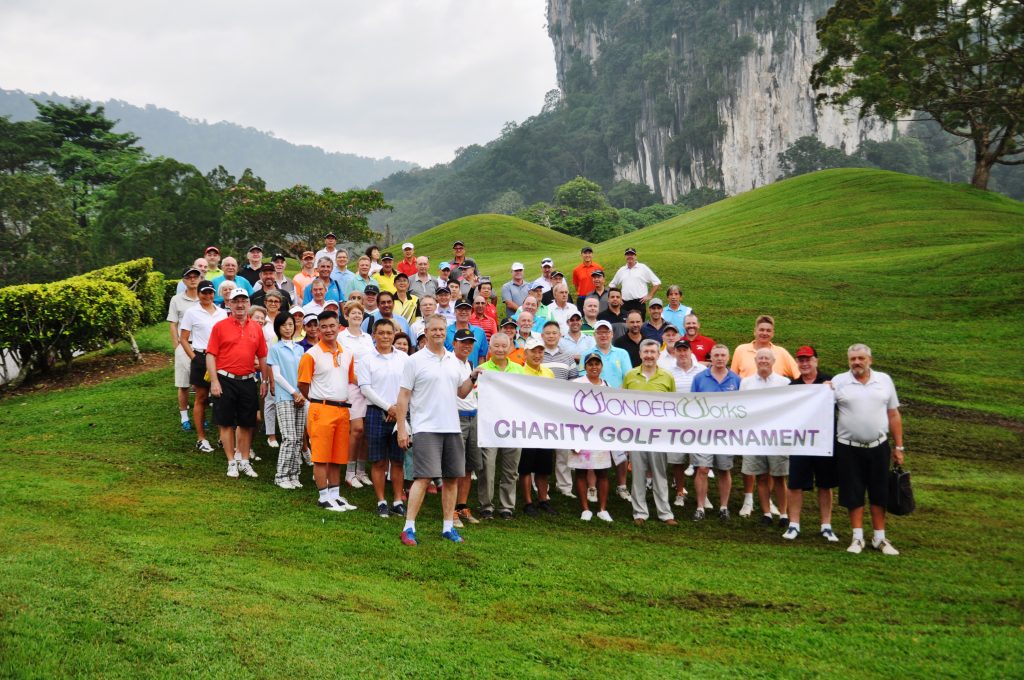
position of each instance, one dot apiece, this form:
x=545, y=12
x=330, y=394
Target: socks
x=396, y=503
x=794, y=525
x=858, y=534
x=350, y=470
x=410, y=524
x=184, y=415
x=748, y=497
x=877, y=537
x=826, y=526
x=333, y=493
x=448, y=526
x=360, y=467
x=325, y=494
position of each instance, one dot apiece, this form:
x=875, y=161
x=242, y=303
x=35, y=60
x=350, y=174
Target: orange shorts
x=328, y=428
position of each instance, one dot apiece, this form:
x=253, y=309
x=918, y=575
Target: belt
x=467, y=414
x=249, y=376
x=198, y=351
x=862, y=445
x=328, y=402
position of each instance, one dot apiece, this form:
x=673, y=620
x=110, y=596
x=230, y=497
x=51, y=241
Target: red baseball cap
x=806, y=351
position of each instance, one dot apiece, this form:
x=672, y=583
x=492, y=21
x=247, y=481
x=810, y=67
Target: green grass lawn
x=126, y=554
x=123, y=553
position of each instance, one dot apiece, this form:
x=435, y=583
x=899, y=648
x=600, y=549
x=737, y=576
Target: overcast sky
x=410, y=79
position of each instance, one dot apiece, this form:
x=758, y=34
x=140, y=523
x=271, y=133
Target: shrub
x=139, y=277
x=40, y=324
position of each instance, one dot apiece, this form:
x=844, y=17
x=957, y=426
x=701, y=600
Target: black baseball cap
x=205, y=285
x=463, y=303
x=458, y=243
x=597, y=272
x=267, y=267
x=330, y=234
x=278, y=256
x=682, y=344
x=630, y=251
x=252, y=248
x=586, y=249
x=387, y=256
x=401, y=275
x=189, y=270
x=508, y=321
x=443, y=290
x=464, y=334
x=371, y=290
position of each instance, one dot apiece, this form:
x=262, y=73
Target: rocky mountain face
x=722, y=87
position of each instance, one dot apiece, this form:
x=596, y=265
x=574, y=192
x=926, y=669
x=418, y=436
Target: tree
x=163, y=209
x=957, y=62
x=26, y=145
x=903, y=154
x=39, y=238
x=700, y=197
x=297, y=218
x=506, y=203
x=809, y=154
x=581, y=194
x=625, y=194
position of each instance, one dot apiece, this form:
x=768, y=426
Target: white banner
x=526, y=411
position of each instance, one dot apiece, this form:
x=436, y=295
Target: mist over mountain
x=206, y=145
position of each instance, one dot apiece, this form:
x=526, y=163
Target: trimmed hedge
x=43, y=323
x=139, y=277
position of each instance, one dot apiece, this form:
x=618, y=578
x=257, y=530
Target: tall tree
x=163, y=209
x=957, y=62
x=39, y=237
x=26, y=145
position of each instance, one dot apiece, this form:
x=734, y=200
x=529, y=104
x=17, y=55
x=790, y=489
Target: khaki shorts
x=776, y=466
x=182, y=367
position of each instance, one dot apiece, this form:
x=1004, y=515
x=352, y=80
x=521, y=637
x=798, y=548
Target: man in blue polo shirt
x=718, y=378
x=479, y=352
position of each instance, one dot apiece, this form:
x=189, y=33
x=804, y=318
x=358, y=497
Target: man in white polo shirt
x=868, y=416
x=633, y=279
x=429, y=387
x=180, y=304
x=770, y=471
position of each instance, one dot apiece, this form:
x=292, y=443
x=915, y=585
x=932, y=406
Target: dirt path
x=92, y=371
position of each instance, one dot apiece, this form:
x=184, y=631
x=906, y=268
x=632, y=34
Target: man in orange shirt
x=582, y=279
x=327, y=377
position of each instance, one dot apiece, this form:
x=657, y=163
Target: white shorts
x=358, y=409
x=619, y=457
x=182, y=367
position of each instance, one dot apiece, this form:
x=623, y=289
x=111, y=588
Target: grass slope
x=125, y=554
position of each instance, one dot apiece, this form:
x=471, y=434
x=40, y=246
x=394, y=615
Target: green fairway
x=124, y=553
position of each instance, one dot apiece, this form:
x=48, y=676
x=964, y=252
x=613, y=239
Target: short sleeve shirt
x=285, y=356
x=684, y=379
x=616, y=364
x=433, y=381
x=634, y=281
x=237, y=346
x=744, y=365
x=180, y=304
x=542, y=372
x=561, y=363
x=515, y=292
x=706, y=382
x=382, y=372
x=661, y=381
x=328, y=372
x=863, y=408
x=199, y=324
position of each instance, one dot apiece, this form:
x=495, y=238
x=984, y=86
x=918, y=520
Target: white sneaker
x=774, y=510
x=457, y=523
x=711, y=474
x=791, y=533
x=296, y=484
x=592, y=495
x=680, y=501
x=747, y=508
x=623, y=493
x=246, y=467
x=885, y=547
x=329, y=505
x=272, y=443
x=708, y=505
x=688, y=471
x=587, y=515
x=342, y=503
x=364, y=480
x=354, y=483
x=829, y=536
x=238, y=456
x=856, y=546
x=604, y=516
x=232, y=469
x=203, y=446
x=286, y=484
x=253, y=456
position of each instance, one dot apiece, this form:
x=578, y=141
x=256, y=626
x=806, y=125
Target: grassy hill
x=930, y=275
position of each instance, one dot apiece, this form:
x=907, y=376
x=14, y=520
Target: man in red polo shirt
x=700, y=345
x=582, y=279
x=408, y=264
x=236, y=344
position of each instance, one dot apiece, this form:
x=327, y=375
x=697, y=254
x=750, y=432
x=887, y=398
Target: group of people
x=374, y=371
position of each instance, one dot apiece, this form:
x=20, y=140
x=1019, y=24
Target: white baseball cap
x=237, y=292
x=407, y=245
x=517, y=266
x=602, y=324
x=533, y=343
x=546, y=261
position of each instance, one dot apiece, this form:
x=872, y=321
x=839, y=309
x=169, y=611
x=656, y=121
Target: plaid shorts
x=381, y=439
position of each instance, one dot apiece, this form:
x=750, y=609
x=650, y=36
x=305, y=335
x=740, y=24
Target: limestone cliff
x=713, y=91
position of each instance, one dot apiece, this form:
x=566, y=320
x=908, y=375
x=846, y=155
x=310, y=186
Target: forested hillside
x=207, y=145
